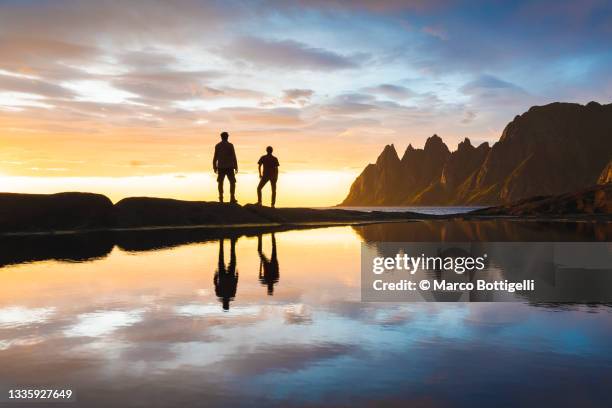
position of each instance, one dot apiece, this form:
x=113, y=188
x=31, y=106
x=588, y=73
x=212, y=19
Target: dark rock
x=595, y=200
x=148, y=212
x=53, y=212
x=25, y=213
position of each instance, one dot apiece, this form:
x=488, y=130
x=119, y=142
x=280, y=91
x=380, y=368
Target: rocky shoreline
x=70, y=212
x=594, y=201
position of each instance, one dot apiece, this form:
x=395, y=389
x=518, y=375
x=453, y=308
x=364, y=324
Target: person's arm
x=235, y=160
x=259, y=164
x=215, y=159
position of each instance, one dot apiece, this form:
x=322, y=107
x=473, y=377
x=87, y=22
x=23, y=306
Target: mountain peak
x=409, y=153
x=593, y=104
x=465, y=145
x=433, y=141
x=388, y=155
x=435, y=144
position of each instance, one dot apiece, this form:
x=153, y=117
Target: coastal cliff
x=548, y=150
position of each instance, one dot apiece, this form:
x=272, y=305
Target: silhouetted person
x=270, y=173
x=268, y=268
x=225, y=164
x=226, y=279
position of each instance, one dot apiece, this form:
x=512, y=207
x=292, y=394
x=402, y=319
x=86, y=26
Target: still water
x=212, y=318
x=430, y=210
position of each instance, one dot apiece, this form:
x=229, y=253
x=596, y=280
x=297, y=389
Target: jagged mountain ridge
x=551, y=149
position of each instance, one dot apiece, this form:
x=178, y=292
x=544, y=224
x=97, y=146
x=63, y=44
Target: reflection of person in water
x=268, y=268
x=226, y=279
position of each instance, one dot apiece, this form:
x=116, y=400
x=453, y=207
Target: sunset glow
x=129, y=99
x=193, y=186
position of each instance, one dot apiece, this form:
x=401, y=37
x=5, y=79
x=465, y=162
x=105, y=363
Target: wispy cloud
x=286, y=54
x=392, y=91
x=297, y=96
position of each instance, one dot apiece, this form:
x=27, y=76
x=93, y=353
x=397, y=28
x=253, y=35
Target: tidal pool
x=274, y=318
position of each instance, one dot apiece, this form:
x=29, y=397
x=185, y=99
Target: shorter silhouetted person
x=225, y=165
x=270, y=173
x=226, y=278
x=268, y=268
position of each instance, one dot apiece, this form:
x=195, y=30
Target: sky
x=129, y=98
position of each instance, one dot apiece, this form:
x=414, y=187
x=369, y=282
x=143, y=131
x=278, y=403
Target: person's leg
x=232, y=180
x=233, y=192
x=260, y=186
x=220, y=177
x=273, y=184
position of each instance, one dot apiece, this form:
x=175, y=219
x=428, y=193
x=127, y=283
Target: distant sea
x=421, y=210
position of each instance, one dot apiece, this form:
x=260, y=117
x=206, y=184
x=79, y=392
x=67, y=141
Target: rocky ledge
x=595, y=201
x=34, y=213
x=87, y=211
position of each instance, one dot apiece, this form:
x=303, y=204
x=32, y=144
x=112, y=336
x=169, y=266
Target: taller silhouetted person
x=225, y=164
x=270, y=173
